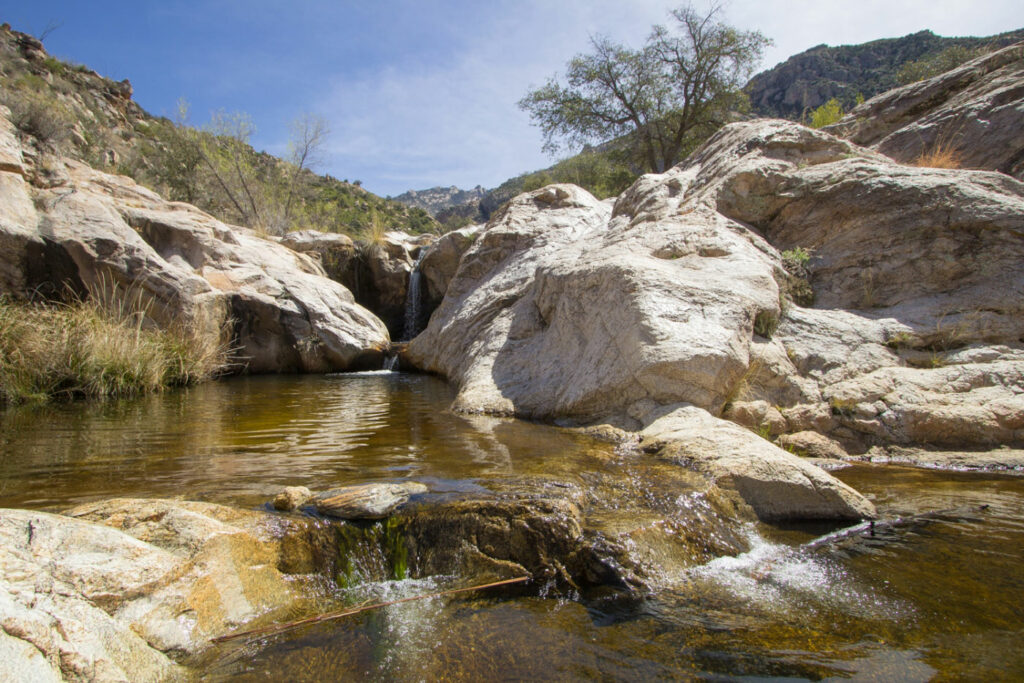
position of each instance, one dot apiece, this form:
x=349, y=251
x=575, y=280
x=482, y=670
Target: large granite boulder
x=88, y=232
x=562, y=309
x=565, y=308
x=441, y=261
x=975, y=112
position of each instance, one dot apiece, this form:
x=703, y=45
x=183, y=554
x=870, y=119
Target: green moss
x=765, y=323
x=371, y=551
x=397, y=552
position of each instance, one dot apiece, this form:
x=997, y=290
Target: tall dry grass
x=942, y=155
x=83, y=349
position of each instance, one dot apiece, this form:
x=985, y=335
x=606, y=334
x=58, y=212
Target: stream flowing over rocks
x=571, y=309
x=781, y=302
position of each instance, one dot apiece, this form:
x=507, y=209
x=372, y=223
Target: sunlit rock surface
x=110, y=590
x=565, y=308
x=74, y=229
x=975, y=112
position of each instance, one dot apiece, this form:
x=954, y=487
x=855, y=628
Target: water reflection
x=943, y=600
x=240, y=440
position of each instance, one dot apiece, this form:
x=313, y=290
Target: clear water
x=942, y=600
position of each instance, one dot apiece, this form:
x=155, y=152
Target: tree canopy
x=668, y=95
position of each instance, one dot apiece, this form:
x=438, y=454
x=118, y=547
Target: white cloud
x=456, y=121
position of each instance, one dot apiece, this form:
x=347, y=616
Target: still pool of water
x=942, y=600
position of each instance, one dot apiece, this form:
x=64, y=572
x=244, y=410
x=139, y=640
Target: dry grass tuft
x=82, y=349
x=941, y=156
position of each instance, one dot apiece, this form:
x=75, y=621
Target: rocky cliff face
x=809, y=79
x=971, y=117
x=65, y=226
x=378, y=274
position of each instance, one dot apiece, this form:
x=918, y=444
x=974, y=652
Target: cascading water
x=413, y=299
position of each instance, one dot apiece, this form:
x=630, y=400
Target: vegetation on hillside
x=668, y=95
x=938, y=62
x=808, y=80
x=68, y=109
x=85, y=349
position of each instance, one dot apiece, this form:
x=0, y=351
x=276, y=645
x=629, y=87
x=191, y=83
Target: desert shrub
x=941, y=155
x=54, y=66
x=765, y=323
x=39, y=115
x=798, y=255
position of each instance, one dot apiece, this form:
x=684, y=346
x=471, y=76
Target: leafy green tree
x=668, y=95
x=826, y=114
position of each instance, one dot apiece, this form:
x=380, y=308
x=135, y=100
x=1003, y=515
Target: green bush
x=39, y=115
x=827, y=114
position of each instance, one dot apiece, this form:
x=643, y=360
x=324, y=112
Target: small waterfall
x=391, y=362
x=413, y=299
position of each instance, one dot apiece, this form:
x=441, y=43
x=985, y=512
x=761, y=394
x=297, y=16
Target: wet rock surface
x=776, y=484
x=368, y=501
x=291, y=497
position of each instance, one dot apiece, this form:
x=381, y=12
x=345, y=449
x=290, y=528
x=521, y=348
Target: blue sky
x=418, y=93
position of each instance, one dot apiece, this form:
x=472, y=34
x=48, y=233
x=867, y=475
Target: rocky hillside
x=437, y=198
x=70, y=109
x=969, y=117
x=68, y=229
x=808, y=80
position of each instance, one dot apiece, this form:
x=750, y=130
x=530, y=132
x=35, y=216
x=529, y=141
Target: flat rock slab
x=1009, y=460
x=368, y=501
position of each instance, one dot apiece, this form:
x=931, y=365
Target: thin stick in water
x=279, y=628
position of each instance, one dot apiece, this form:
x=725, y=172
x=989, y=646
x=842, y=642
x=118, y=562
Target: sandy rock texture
x=79, y=230
x=115, y=591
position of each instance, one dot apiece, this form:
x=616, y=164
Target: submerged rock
x=369, y=501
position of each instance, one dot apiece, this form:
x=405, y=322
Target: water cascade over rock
x=414, y=300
